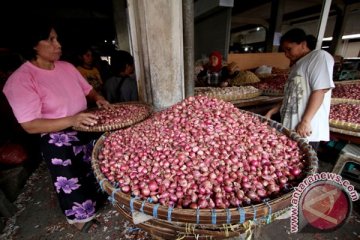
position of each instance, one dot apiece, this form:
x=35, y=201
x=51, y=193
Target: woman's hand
x=303, y=129
x=84, y=120
x=101, y=102
x=98, y=99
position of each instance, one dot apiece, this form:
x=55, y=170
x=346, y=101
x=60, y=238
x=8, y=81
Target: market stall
x=271, y=83
x=244, y=97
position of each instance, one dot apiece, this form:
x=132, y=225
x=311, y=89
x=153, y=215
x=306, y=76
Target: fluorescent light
x=352, y=36
x=327, y=39
x=325, y=47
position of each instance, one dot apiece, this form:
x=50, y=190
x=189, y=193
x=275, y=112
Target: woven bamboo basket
x=344, y=100
x=244, y=78
x=233, y=96
x=345, y=132
x=170, y=223
x=352, y=127
x=163, y=229
x=357, y=81
x=121, y=124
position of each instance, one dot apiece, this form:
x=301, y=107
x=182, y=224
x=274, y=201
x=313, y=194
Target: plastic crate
x=348, y=164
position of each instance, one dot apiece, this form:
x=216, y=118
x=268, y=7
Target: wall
x=350, y=49
x=253, y=60
x=212, y=33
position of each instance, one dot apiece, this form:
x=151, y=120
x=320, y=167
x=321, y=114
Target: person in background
x=122, y=86
x=214, y=74
x=88, y=70
x=306, y=104
x=104, y=68
x=48, y=97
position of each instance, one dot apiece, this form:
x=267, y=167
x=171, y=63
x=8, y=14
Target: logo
x=322, y=201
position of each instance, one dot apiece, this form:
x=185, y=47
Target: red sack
x=12, y=154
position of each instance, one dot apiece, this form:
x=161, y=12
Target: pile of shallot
x=120, y=113
x=345, y=112
x=349, y=91
x=202, y=153
x=272, y=83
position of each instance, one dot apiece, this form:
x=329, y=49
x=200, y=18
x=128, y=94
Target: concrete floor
x=39, y=217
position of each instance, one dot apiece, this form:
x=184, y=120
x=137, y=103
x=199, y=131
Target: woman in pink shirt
x=47, y=97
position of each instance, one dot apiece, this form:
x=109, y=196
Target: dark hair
x=298, y=35
x=85, y=49
x=37, y=32
x=119, y=60
x=311, y=41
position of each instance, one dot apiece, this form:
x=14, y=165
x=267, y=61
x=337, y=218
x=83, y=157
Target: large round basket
x=172, y=223
x=230, y=96
x=122, y=123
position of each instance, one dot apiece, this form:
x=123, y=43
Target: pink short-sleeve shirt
x=35, y=93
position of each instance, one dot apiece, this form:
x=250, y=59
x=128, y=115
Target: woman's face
x=49, y=49
x=294, y=51
x=214, y=61
x=88, y=58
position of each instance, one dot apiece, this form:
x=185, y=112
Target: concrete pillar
x=121, y=25
x=276, y=16
x=188, y=22
x=157, y=42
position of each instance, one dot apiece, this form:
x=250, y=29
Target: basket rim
x=205, y=215
x=271, y=92
x=344, y=100
x=354, y=127
x=344, y=131
x=235, y=97
x=124, y=124
x=345, y=82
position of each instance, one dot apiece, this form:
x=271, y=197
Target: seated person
x=214, y=74
x=88, y=70
x=121, y=86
